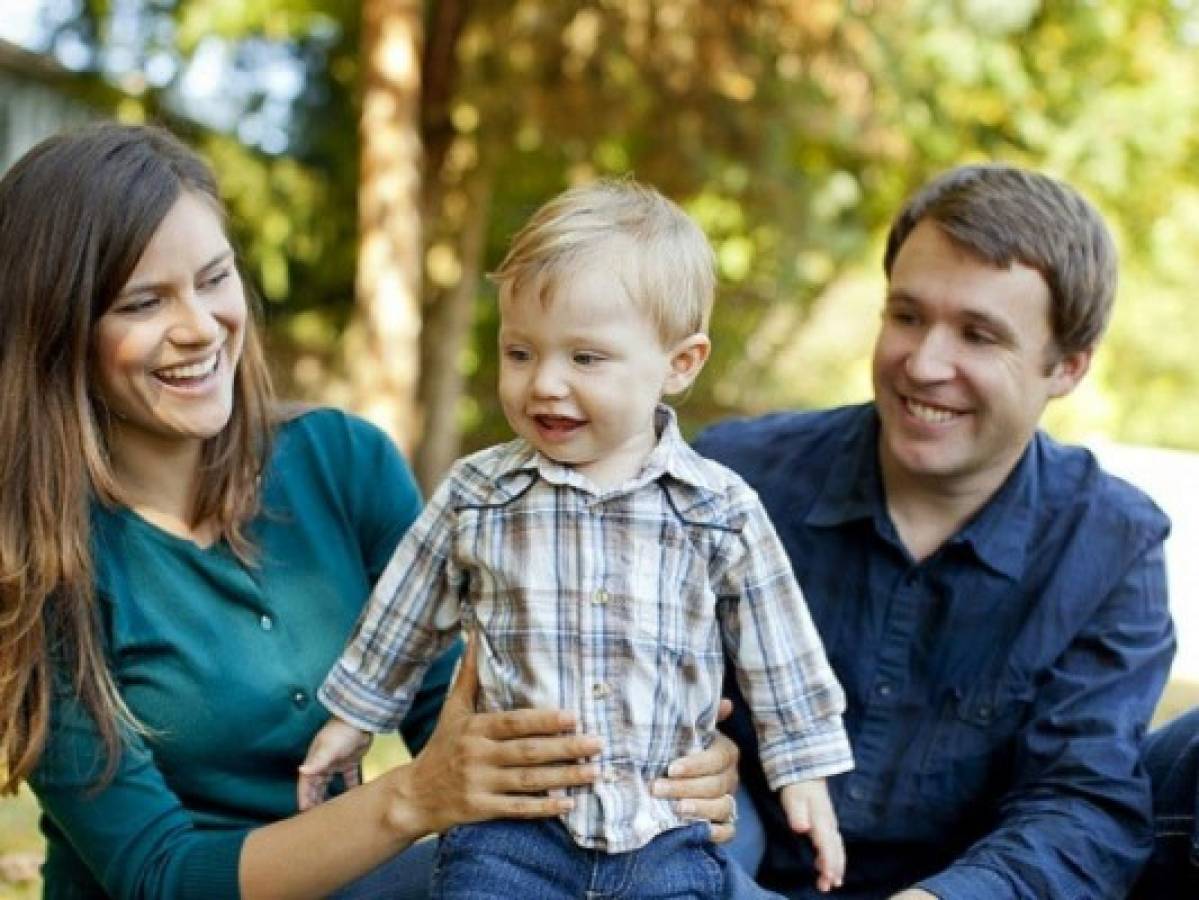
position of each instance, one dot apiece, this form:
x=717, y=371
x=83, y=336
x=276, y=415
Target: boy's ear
x=687, y=357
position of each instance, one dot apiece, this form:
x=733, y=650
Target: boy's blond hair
x=659, y=253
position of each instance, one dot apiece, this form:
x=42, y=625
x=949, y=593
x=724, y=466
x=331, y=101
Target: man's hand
x=810, y=811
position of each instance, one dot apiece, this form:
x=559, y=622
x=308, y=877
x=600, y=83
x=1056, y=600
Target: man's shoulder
x=791, y=435
x=1075, y=483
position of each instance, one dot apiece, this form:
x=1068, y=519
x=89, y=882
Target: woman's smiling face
x=166, y=351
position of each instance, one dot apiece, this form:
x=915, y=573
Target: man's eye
x=975, y=336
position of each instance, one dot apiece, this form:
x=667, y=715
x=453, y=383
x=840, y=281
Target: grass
x=18, y=817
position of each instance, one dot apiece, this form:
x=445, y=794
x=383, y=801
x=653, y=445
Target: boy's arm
x=412, y=616
x=779, y=660
x=337, y=749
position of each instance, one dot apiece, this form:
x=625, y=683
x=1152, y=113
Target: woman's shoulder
x=327, y=433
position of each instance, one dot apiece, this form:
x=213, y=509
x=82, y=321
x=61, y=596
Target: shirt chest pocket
x=973, y=741
x=666, y=590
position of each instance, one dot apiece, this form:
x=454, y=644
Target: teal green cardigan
x=221, y=663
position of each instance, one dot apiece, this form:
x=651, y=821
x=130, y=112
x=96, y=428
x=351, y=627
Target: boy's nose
x=548, y=381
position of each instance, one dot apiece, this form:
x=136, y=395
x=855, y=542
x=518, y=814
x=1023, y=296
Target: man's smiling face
x=964, y=365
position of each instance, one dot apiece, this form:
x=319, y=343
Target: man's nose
x=932, y=357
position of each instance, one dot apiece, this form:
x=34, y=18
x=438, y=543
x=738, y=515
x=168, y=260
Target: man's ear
x=1068, y=371
x=687, y=357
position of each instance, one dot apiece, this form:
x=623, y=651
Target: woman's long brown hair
x=76, y=212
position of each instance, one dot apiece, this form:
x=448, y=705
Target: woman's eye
x=216, y=279
x=137, y=305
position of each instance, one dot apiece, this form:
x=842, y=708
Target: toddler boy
x=604, y=567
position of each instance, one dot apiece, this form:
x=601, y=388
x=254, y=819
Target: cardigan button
x=300, y=699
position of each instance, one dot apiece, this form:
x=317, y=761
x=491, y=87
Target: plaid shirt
x=617, y=605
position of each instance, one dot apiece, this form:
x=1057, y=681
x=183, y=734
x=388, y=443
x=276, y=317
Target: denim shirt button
x=857, y=792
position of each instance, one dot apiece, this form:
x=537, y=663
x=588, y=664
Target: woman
x=179, y=566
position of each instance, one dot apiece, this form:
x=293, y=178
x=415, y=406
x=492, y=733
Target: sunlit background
x=791, y=130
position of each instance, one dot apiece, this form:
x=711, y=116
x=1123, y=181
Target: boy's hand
x=810, y=811
x=337, y=749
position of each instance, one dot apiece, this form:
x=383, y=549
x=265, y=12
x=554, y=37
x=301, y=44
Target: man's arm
x=1076, y=821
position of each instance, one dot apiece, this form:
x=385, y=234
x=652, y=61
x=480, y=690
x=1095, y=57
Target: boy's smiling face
x=581, y=374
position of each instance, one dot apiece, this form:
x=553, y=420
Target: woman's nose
x=194, y=322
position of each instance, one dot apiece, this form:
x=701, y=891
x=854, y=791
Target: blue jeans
x=1171, y=757
x=539, y=860
x=403, y=877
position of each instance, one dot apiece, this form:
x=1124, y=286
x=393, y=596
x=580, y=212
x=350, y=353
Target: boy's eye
x=516, y=354
x=585, y=358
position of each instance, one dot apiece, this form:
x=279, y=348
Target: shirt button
x=984, y=712
x=600, y=596
x=299, y=698
x=600, y=690
x=857, y=792
x=266, y=622
x=884, y=689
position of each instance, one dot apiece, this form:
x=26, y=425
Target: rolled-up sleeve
x=794, y=697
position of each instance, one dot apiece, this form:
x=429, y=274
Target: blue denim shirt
x=998, y=691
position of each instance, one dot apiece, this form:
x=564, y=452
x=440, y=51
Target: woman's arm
x=703, y=783
x=476, y=766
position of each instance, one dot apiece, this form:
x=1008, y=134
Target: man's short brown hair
x=1005, y=214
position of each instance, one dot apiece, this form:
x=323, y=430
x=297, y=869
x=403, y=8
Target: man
x=993, y=603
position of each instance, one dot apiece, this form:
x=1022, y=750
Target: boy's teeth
x=929, y=413
x=195, y=370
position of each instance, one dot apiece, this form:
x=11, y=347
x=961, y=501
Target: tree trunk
x=382, y=344
x=447, y=327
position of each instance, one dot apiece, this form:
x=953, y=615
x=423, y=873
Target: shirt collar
x=998, y=534
x=671, y=456
x=853, y=486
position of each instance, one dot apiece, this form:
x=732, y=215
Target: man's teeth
x=195, y=370
x=929, y=414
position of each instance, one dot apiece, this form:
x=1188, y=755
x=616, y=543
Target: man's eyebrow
x=899, y=295
x=986, y=319
x=155, y=285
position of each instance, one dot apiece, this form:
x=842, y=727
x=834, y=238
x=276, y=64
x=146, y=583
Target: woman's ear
x=687, y=357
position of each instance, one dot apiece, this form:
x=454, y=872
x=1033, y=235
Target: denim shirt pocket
x=972, y=745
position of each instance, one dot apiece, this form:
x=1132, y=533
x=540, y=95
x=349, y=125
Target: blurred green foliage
x=792, y=131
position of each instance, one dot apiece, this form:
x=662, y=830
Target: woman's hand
x=704, y=782
x=480, y=766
